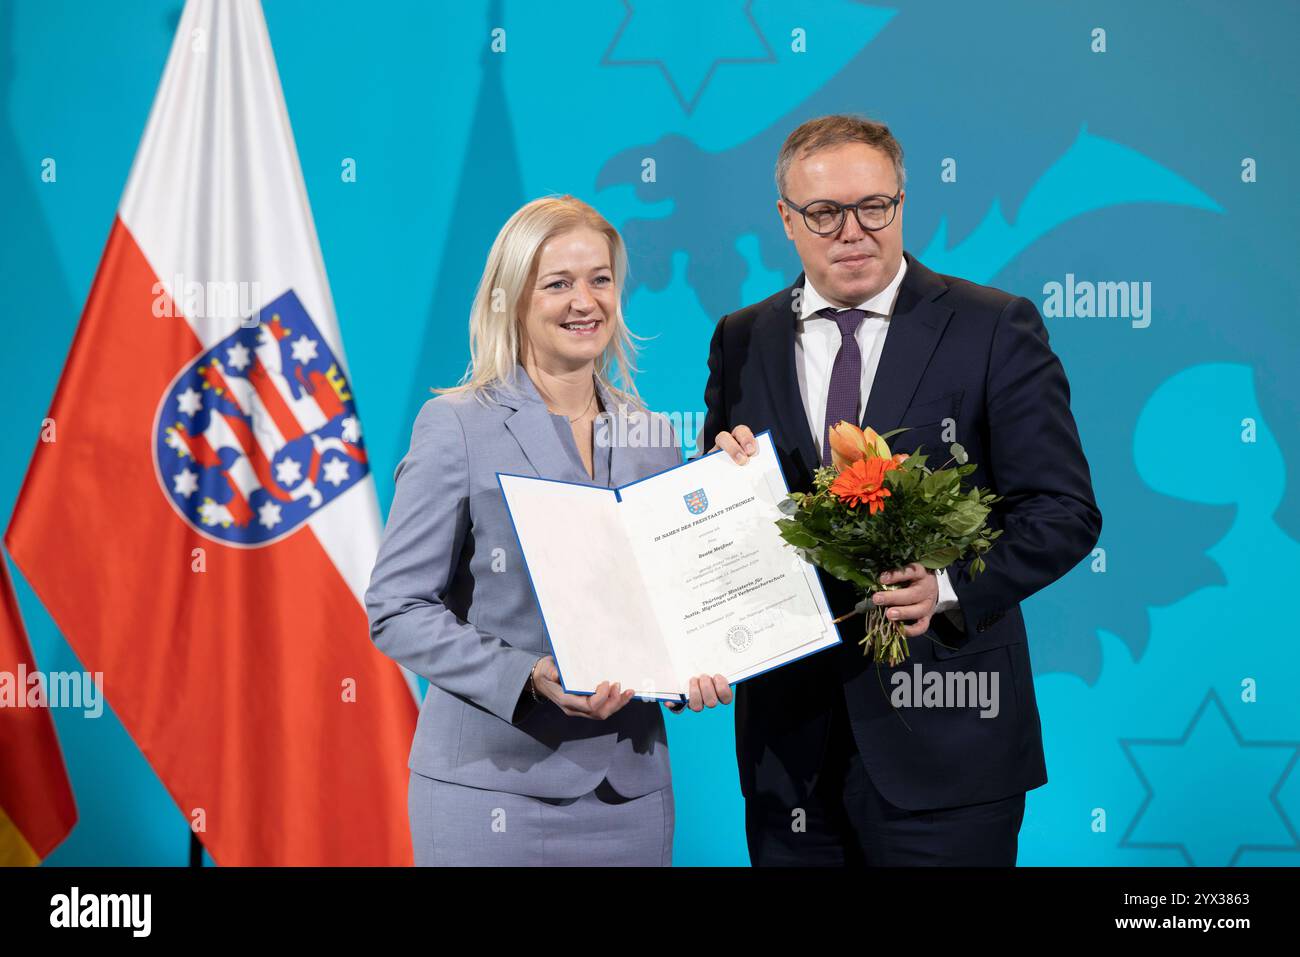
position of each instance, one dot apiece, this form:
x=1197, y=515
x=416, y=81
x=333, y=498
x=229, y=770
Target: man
x=833, y=772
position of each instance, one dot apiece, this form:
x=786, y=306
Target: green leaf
x=839, y=565
x=796, y=534
x=941, y=558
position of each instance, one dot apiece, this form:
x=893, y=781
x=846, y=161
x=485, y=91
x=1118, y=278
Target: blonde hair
x=495, y=343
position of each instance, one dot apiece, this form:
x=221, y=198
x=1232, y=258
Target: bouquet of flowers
x=872, y=512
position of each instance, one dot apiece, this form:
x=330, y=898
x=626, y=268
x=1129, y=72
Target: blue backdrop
x=1103, y=141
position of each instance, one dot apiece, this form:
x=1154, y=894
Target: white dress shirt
x=817, y=342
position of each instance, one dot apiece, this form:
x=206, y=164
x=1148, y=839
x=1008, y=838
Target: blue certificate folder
x=675, y=575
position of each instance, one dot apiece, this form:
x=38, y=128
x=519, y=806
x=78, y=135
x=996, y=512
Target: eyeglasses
x=825, y=216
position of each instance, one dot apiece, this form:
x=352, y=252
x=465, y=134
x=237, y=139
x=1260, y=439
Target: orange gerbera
x=864, y=481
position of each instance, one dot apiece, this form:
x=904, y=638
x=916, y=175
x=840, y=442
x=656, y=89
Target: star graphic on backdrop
x=1211, y=794
x=652, y=35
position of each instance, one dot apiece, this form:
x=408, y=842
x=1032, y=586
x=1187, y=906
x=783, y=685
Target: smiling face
x=852, y=265
x=569, y=310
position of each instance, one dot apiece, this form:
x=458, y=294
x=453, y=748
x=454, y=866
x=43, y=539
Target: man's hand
x=598, y=706
x=915, y=602
x=739, y=443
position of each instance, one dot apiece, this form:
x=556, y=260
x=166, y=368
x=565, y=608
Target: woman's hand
x=598, y=706
x=707, y=692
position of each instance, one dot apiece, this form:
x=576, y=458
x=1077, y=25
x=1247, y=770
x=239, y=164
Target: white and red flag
x=203, y=524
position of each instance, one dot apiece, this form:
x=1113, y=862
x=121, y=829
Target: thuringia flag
x=203, y=522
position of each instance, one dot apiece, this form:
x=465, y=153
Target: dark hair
x=837, y=129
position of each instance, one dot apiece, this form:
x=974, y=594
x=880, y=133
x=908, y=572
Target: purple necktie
x=846, y=375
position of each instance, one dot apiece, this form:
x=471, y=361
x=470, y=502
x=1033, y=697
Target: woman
x=506, y=768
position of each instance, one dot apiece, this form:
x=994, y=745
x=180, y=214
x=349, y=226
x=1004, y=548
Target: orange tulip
x=848, y=445
x=851, y=444
x=880, y=445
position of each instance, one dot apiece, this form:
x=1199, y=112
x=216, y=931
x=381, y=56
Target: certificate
x=676, y=575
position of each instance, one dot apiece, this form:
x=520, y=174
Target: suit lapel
x=915, y=328
x=532, y=428
x=774, y=333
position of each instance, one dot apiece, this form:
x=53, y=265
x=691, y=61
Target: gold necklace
x=584, y=411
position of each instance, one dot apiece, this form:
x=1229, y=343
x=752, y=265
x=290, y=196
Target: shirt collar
x=881, y=304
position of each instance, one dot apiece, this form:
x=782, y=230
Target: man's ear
x=786, y=219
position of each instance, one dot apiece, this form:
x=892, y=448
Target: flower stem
x=885, y=638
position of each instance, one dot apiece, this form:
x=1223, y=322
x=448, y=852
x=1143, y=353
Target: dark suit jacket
x=981, y=357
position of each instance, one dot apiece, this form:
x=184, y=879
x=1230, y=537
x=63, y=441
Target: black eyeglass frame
x=843, y=209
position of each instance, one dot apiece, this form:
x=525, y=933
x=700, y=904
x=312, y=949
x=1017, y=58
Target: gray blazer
x=450, y=599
